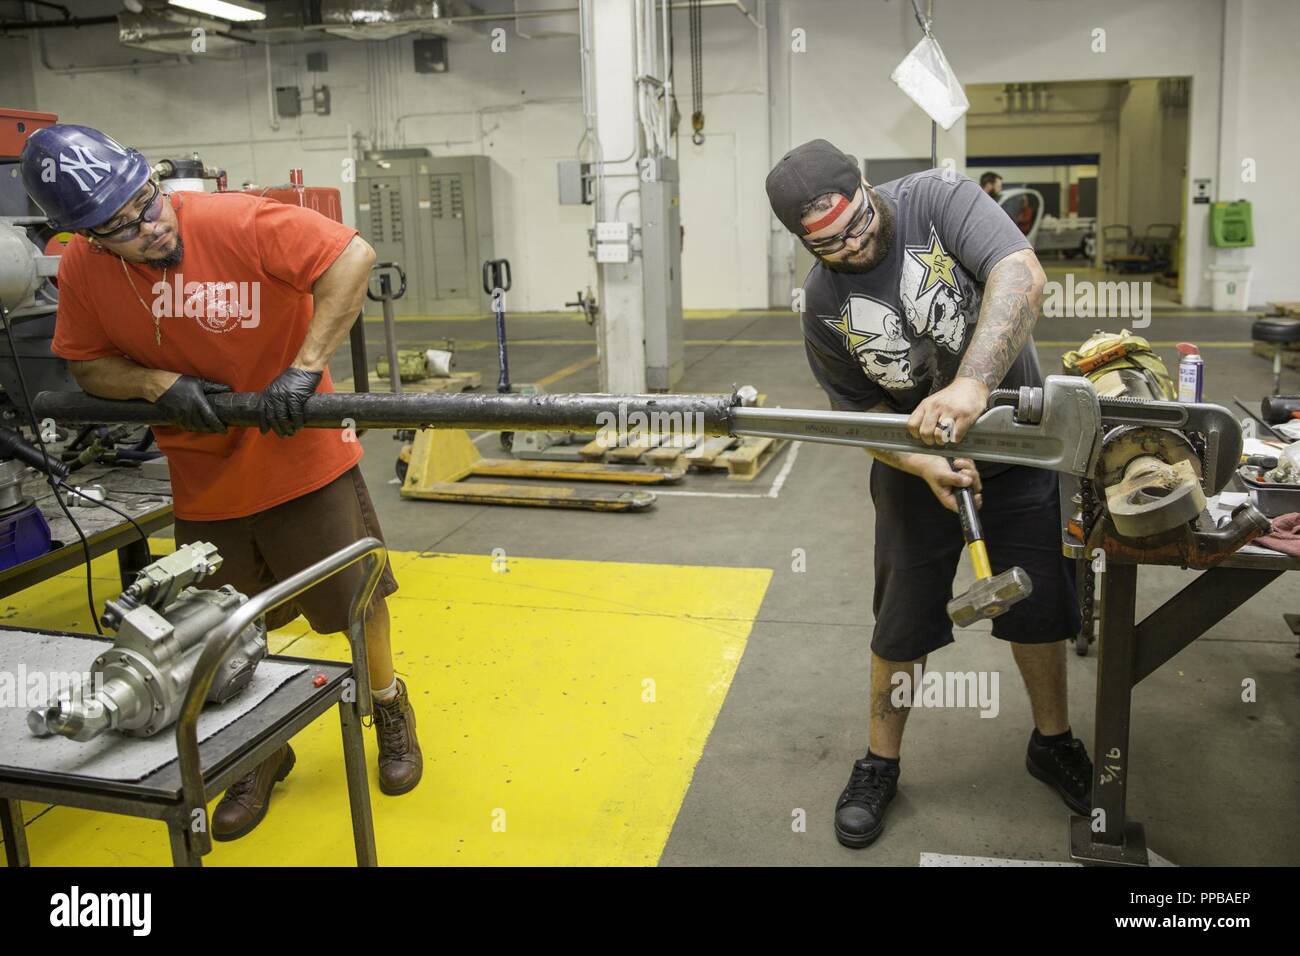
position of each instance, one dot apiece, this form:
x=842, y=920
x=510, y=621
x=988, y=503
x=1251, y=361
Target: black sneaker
x=1064, y=767
x=860, y=814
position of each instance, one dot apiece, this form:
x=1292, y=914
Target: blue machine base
x=24, y=535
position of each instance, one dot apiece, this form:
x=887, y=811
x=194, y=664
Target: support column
x=621, y=334
x=781, y=274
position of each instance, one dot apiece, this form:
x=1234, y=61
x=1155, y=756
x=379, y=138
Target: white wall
x=838, y=89
x=1261, y=124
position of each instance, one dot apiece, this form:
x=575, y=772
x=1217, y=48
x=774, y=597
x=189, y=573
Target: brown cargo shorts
x=262, y=549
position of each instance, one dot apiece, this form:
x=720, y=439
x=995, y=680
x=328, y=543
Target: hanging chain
x=1088, y=518
x=697, y=73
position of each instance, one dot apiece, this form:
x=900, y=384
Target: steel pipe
x=695, y=414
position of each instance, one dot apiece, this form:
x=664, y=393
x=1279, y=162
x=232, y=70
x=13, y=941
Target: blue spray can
x=1191, y=373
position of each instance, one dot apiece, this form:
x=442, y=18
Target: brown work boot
x=400, y=760
x=246, y=801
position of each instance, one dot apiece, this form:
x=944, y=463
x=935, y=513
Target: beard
x=172, y=259
x=874, y=252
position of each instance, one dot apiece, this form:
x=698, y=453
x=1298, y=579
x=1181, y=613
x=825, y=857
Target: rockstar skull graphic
x=931, y=294
x=875, y=335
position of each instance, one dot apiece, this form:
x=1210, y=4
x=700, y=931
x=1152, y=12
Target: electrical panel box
x=432, y=216
x=288, y=101
x=575, y=182
x=661, y=259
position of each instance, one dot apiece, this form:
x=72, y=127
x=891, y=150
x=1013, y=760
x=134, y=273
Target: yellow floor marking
x=576, y=316
x=568, y=370
x=528, y=685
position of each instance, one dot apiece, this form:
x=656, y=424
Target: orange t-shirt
x=235, y=311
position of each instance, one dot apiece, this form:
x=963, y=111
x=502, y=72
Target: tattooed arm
x=1013, y=298
x=934, y=470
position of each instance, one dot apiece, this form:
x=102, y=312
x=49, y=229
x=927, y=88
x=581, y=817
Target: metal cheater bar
x=1057, y=427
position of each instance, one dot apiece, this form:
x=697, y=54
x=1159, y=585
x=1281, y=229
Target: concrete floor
x=1215, y=780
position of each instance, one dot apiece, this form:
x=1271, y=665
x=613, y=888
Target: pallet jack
x=434, y=464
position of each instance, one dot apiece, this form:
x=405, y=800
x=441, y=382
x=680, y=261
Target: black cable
x=697, y=73
x=674, y=114
x=36, y=430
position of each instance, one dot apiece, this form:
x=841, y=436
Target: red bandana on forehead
x=827, y=219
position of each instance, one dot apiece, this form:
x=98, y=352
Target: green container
x=1230, y=225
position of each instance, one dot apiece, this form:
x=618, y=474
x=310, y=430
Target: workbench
x=147, y=499
x=1129, y=651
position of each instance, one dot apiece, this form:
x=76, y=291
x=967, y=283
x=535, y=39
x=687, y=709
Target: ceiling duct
x=384, y=19
x=168, y=30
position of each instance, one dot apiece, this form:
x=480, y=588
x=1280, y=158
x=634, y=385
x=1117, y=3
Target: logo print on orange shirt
x=218, y=307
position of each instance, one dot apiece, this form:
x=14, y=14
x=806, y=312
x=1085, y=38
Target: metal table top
x=146, y=499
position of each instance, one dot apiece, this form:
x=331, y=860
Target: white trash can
x=1229, y=288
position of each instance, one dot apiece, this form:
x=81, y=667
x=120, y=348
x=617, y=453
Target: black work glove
x=186, y=404
x=284, y=401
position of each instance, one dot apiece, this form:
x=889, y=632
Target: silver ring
x=945, y=429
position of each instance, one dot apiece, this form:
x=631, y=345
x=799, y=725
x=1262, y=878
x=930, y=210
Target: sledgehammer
x=990, y=595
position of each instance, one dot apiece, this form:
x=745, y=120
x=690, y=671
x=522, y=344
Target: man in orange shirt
x=175, y=298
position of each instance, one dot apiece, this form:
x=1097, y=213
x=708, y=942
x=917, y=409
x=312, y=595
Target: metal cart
x=178, y=793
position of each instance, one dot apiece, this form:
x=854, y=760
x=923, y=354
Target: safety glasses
x=857, y=227
x=130, y=229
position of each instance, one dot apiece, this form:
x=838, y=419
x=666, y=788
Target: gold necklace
x=157, y=319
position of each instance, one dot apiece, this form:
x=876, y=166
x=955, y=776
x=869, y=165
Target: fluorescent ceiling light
x=238, y=11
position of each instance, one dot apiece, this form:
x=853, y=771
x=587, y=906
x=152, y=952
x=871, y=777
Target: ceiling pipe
x=73, y=22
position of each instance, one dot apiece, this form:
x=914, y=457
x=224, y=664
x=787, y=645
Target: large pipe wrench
x=1058, y=426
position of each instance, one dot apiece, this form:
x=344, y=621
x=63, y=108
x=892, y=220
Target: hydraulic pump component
x=137, y=686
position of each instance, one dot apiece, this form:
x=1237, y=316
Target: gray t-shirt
x=897, y=333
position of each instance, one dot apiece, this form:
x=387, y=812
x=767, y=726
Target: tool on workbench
x=387, y=296
x=992, y=594
x=1279, y=409
x=137, y=686
x=1271, y=430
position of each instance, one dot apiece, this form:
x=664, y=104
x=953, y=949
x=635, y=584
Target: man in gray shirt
x=922, y=300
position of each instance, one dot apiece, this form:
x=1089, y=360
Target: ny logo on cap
x=85, y=162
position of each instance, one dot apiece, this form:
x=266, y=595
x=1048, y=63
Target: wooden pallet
x=703, y=455
x=636, y=446
x=456, y=382
x=746, y=461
